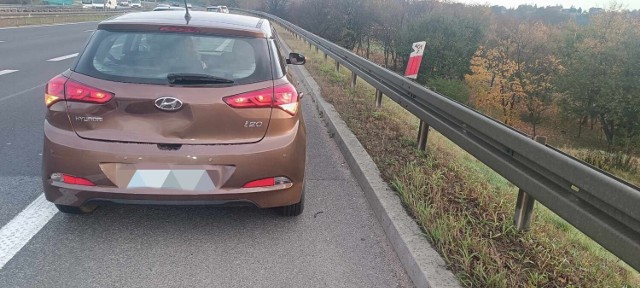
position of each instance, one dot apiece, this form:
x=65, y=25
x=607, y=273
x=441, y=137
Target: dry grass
x=463, y=206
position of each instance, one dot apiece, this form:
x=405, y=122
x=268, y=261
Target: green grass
x=464, y=207
x=43, y=20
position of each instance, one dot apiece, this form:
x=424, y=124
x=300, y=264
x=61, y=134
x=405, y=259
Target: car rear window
x=148, y=57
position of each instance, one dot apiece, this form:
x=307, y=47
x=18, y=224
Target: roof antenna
x=187, y=16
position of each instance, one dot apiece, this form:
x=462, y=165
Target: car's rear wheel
x=86, y=209
x=294, y=209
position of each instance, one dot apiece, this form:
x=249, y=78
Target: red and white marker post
x=415, y=58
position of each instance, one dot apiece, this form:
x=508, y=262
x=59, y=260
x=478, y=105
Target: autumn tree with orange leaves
x=514, y=77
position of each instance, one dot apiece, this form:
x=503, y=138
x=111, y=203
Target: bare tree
x=276, y=7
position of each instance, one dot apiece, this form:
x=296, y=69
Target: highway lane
x=27, y=50
x=337, y=242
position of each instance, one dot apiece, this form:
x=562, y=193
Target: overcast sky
x=585, y=4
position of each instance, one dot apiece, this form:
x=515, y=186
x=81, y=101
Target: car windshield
x=148, y=57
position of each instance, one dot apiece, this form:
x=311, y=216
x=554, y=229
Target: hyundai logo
x=168, y=103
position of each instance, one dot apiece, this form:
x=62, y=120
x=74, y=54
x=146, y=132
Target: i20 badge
x=168, y=104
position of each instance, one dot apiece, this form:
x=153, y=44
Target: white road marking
x=21, y=92
x=4, y=72
x=65, y=57
x=89, y=30
x=223, y=45
x=23, y=227
x=1, y=41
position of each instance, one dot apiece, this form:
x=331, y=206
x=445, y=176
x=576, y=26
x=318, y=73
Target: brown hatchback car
x=160, y=110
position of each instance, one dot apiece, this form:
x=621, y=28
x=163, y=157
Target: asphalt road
x=337, y=242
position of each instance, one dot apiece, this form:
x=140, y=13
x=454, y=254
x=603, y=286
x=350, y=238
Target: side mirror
x=296, y=59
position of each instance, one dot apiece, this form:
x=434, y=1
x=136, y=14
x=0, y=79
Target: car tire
x=294, y=209
x=75, y=210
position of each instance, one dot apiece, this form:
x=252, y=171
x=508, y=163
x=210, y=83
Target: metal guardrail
x=65, y=13
x=603, y=207
x=31, y=9
x=37, y=8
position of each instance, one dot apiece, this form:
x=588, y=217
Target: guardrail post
x=524, y=204
x=337, y=66
x=309, y=45
x=423, y=135
x=354, y=79
x=325, y=56
x=378, y=98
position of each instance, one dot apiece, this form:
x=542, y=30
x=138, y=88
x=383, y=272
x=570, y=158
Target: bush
x=454, y=89
x=608, y=161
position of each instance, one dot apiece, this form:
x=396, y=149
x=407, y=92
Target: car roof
x=245, y=25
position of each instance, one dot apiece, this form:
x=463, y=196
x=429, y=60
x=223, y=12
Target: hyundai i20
x=165, y=109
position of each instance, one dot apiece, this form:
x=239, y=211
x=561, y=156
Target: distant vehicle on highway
x=123, y=3
x=158, y=110
x=111, y=4
x=87, y=4
x=219, y=9
x=100, y=4
x=136, y=4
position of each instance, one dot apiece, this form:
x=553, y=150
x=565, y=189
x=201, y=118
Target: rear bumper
x=230, y=166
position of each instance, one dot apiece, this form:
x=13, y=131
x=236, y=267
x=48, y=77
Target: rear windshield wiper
x=196, y=79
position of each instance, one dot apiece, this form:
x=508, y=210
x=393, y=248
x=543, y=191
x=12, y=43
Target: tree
x=276, y=7
x=494, y=84
x=602, y=75
x=452, y=35
x=539, y=91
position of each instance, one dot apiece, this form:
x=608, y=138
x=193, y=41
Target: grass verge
x=464, y=207
x=51, y=19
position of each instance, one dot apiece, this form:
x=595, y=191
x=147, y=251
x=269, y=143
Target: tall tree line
x=519, y=65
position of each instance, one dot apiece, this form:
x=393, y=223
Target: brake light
x=75, y=91
x=60, y=88
x=68, y=179
x=179, y=29
x=283, y=97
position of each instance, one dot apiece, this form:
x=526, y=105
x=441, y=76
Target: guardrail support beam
x=378, y=98
x=524, y=211
x=354, y=79
x=423, y=135
x=525, y=203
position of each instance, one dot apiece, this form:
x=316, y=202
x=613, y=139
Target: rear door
x=133, y=67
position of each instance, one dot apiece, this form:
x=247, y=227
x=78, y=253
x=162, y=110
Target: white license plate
x=190, y=180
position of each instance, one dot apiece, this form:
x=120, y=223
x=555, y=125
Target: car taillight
x=61, y=87
x=54, y=91
x=283, y=97
x=68, y=179
x=266, y=182
x=75, y=91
